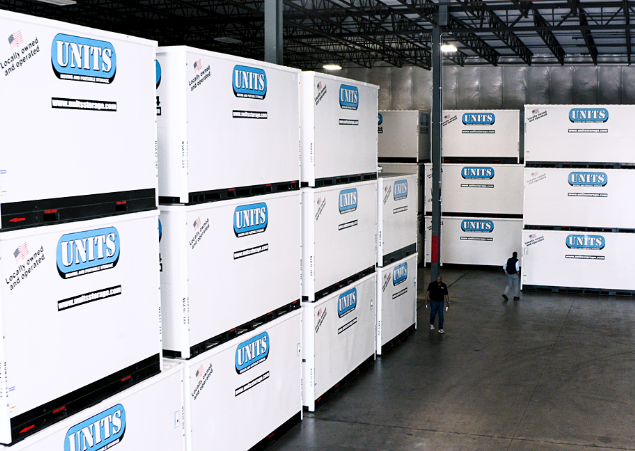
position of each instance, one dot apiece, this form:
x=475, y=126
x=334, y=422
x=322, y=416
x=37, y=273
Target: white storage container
x=224, y=264
x=403, y=136
x=396, y=299
x=427, y=258
x=410, y=168
x=146, y=416
x=81, y=303
x=397, y=217
x=339, y=335
x=556, y=259
x=228, y=125
x=479, y=241
x=339, y=128
x=339, y=236
x=421, y=238
x=483, y=134
x=579, y=133
x=481, y=188
x=579, y=197
x=70, y=125
x=244, y=390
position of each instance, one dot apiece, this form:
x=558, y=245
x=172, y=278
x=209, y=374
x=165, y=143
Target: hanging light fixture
x=332, y=67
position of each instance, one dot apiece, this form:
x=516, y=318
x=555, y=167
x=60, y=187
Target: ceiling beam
x=588, y=38
x=549, y=38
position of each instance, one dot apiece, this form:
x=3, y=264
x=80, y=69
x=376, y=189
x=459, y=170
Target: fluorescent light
x=448, y=48
x=59, y=2
x=332, y=67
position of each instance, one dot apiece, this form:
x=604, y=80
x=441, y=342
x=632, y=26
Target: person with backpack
x=511, y=270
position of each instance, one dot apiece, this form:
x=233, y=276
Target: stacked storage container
x=229, y=134
x=481, y=190
x=579, y=173
x=339, y=227
x=404, y=148
x=78, y=238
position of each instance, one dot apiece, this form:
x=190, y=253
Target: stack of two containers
x=482, y=195
x=80, y=306
x=579, y=178
x=229, y=133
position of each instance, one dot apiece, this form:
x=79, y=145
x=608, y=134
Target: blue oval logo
x=252, y=352
x=101, y=431
x=474, y=225
x=481, y=173
x=588, y=115
x=160, y=230
x=347, y=302
x=348, y=200
x=479, y=118
x=158, y=72
x=588, y=179
x=349, y=97
x=380, y=119
x=595, y=242
x=400, y=189
x=249, y=82
x=400, y=273
x=83, y=59
x=251, y=219
x=82, y=253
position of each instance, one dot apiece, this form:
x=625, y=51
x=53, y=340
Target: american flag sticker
x=319, y=86
x=320, y=312
x=197, y=223
x=197, y=65
x=319, y=201
x=447, y=116
x=532, y=236
x=15, y=39
x=535, y=111
x=199, y=373
x=21, y=252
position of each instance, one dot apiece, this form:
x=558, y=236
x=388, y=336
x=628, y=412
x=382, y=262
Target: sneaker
x=516, y=298
x=441, y=331
x=505, y=297
x=431, y=326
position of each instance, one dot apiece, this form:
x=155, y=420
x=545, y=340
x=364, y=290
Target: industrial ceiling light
x=332, y=67
x=448, y=48
x=59, y=2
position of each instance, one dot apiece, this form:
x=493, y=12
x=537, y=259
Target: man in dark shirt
x=437, y=293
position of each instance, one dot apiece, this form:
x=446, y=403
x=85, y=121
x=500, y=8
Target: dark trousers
x=436, y=306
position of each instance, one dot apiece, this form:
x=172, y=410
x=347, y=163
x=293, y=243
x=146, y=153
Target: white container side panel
x=578, y=259
x=427, y=190
x=404, y=134
x=254, y=380
x=409, y=168
x=397, y=213
x=579, y=197
x=251, y=136
x=339, y=127
x=90, y=122
x=83, y=286
x=396, y=299
x=217, y=252
x=482, y=188
x=339, y=233
x=479, y=241
x=146, y=416
x=579, y=133
x=421, y=234
x=481, y=133
x=428, y=240
x=339, y=333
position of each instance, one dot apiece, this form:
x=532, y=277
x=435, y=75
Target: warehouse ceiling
x=368, y=33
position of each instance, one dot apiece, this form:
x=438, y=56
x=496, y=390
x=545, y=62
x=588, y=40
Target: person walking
x=437, y=293
x=511, y=270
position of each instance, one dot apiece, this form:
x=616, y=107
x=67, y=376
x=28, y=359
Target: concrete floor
x=551, y=372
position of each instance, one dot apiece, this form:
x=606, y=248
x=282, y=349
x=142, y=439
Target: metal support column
x=273, y=31
x=437, y=112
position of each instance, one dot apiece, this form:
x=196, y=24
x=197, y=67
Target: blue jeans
x=436, y=306
x=512, y=284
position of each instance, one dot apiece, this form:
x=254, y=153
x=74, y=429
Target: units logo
x=380, y=119
x=473, y=225
x=588, y=179
x=480, y=173
x=102, y=431
x=591, y=242
x=252, y=352
x=400, y=189
x=349, y=97
x=158, y=72
x=83, y=59
x=249, y=82
x=588, y=115
x=348, y=200
x=347, y=302
x=251, y=219
x=82, y=253
x=479, y=118
x=400, y=273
